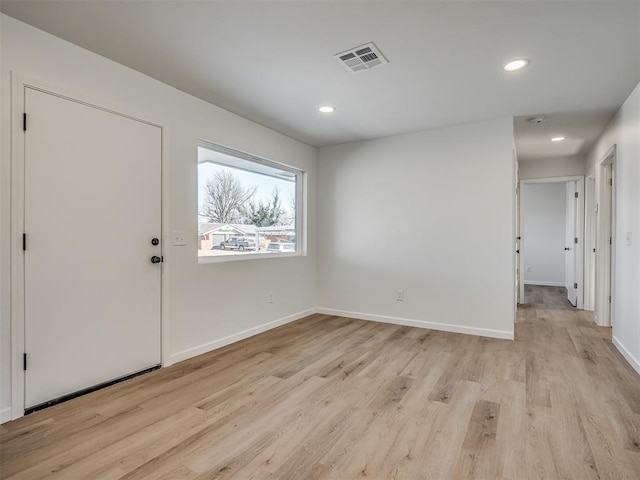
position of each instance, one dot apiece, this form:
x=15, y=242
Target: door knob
x=156, y=259
x=566, y=249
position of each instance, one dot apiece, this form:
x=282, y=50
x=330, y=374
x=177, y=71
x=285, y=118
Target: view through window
x=246, y=205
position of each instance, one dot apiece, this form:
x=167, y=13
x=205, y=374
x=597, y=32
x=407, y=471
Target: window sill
x=243, y=257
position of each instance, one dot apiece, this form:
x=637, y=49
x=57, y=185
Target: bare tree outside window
x=226, y=198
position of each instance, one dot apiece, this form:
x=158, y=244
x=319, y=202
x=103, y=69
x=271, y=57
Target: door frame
x=579, y=228
x=605, y=228
x=590, y=257
x=18, y=85
x=571, y=258
x=516, y=227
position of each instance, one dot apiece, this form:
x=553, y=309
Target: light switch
x=178, y=238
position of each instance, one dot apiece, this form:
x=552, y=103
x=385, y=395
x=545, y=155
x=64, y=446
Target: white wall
x=430, y=213
x=553, y=167
x=543, y=216
x=624, y=131
x=208, y=303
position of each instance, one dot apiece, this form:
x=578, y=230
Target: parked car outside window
x=281, y=247
x=238, y=243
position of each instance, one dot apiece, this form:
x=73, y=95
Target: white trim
x=18, y=85
x=571, y=178
x=520, y=239
x=204, y=259
x=165, y=198
x=590, y=221
x=250, y=332
x=633, y=361
x=605, y=227
x=518, y=234
x=17, y=227
x=543, y=283
x=445, y=327
x=5, y=415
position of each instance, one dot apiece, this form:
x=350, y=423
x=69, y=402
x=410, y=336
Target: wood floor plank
x=449, y=432
x=511, y=433
x=364, y=450
x=478, y=456
x=329, y=397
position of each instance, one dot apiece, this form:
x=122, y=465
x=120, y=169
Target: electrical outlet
x=528, y=268
x=270, y=297
x=178, y=238
x=400, y=295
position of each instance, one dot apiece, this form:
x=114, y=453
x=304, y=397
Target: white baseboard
x=221, y=342
x=633, y=361
x=445, y=327
x=543, y=283
x=5, y=415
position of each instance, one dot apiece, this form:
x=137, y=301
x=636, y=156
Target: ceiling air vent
x=360, y=58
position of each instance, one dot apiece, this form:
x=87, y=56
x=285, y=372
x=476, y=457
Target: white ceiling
x=272, y=62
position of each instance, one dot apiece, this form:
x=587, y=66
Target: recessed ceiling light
x=327, y=109
x=514, y=65
x=557, y=139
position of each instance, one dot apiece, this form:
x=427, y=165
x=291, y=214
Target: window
x=247, y=206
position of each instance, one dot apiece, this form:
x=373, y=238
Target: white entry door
x=92, y=208
x=571, y=246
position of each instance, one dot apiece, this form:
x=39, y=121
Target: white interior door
x=609, y=220
x=590, y=246
x=571, y=246
x=92, y=208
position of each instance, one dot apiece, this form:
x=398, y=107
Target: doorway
x=89, y=301
x=552, y=243
x=606, y=242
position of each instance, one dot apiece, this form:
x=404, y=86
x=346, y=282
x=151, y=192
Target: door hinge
x=24, y=241
x=575, y=240
x=609, y=298
x=24, y=361
x=610, y=241
x=576, y=195
x=575, y=285
x=611, y=182
x=594, y=250
x=24, y=122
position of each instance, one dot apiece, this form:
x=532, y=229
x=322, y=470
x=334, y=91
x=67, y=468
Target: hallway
x=583, y=398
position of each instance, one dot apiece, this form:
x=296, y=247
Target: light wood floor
x=330, y=397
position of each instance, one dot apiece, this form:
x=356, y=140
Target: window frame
x=300, y=208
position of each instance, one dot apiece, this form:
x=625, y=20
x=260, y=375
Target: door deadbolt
x=155, y=241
